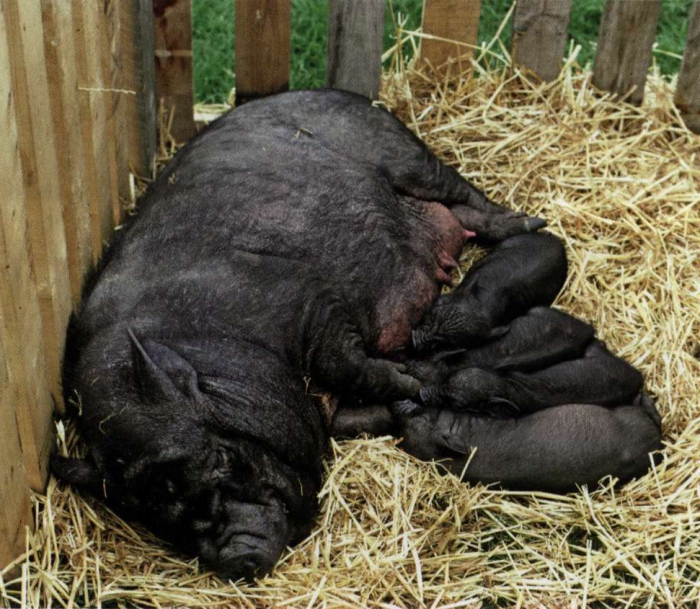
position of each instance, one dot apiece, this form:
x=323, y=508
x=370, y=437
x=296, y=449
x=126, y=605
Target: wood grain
x=688, y=90
x=623, y=56
x=37, y=151
x=137, y=45
x=63, y=86
x=14, y=492
x=173, y=57
x=263, y=47
x=355, y=46
x=456, y=20
x=540, y=29
x=26, y=403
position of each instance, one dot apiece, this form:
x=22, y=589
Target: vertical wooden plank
x=355, y=46
x=14, y=495
x=63, y=88
x=623, y=56
x=92, y=128
x=540, y=30
x=113, y=75
x=263, y=48
x=22, y=361
x=456, y=20
x=137, y=44
x=37, y=151
x=96, y=100
x=173, y=41
x=688, y=90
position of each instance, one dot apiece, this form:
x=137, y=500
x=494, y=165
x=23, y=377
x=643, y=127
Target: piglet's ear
x=161, y=373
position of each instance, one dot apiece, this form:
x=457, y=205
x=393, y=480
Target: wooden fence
x=78, y=88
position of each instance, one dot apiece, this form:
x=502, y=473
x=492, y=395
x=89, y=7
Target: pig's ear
x=160, y=372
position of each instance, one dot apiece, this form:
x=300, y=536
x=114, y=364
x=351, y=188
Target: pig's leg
x=384, y=142
x=352, y=422
x=553, y=450
x=336, y=357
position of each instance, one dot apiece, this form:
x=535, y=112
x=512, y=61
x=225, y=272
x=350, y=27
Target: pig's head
x=454, y=321
x=210, y=448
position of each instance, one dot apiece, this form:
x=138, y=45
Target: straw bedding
x=621, y=186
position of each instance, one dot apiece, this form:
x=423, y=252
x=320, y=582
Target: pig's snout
x=243, y=559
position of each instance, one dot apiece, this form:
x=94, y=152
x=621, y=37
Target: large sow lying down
x=299, y=237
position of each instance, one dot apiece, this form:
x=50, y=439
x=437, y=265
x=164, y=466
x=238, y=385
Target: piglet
x=519, y=273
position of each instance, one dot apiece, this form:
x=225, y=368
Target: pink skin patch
x=407, y=304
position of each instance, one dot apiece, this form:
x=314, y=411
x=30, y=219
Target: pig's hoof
x=406, y=409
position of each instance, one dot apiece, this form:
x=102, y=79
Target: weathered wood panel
x=456, y=20
x=540, y=29
x=623, y=56
x=40, y=171
x=137, y=47
x=113, y=77
x=26, y=399
x=263, y=48
x=63, y=85
x=173, y=56
x=355, y=46
x=96, y=117
x=688, y=90
x=14, y=494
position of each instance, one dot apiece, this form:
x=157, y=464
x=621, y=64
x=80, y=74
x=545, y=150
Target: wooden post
x=16, y=513
x=37, y=151
x=25, y=403
x=137, y=44
x=623, y=57
x=263, y=48
x=456, y=20
x=688, y=91
x=539, y=35
x=173, y=54
x=355, y=46
x=63, y=88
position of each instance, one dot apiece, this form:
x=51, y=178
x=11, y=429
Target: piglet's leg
x=553, y=450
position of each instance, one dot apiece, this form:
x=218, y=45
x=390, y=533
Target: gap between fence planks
x=263, y=48
x=355, y=46
x=456, y=20
x=173, y=56
x=540, y=29
x=625, y=40
x=688, y=88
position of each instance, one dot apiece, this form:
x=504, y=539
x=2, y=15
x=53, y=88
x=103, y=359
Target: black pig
x=553, y=450
x=522, y=272
x=300, y=236
x=598, y=377
x=540, y=338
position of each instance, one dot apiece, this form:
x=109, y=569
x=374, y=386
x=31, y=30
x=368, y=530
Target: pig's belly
x=439, y=235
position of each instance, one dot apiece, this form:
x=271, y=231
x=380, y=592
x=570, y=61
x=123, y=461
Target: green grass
x=213, y=37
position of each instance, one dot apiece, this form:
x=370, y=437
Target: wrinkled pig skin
x=522, y=272
x=553, y=450
x=299, y=236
